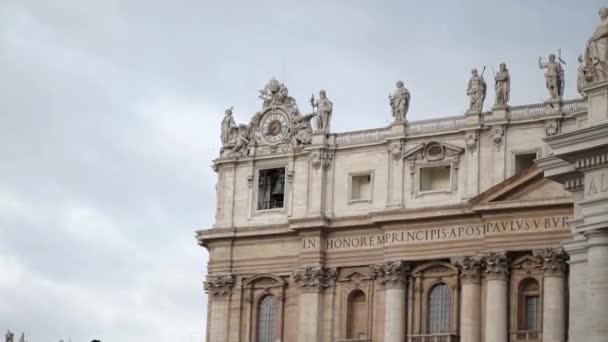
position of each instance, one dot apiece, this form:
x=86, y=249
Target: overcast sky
x=110, y=114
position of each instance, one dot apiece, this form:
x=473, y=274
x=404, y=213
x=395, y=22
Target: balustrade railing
x=434, y=125
x=526, y=336
x=362, y=137
x=527, y=112
x=433, y=338
x=574, y=105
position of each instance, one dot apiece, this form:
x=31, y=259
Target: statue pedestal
x=319, y=138
x=398, y=128
x=500, y=113
x=597, y=100
x=472, y=117
x=553, y=106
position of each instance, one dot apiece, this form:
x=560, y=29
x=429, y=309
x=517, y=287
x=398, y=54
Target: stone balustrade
x=529, y=112
x=526, y=336
x=433, y=338
x=362, y=137
x=435, y=125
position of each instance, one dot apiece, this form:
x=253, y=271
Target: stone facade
x=483, y=227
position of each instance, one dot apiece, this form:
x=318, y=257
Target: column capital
x=391, y=274
x=470, y=268
x=554, y=261
x=219, y=286
x=496, y=266
x=314, y=278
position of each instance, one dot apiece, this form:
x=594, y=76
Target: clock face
x=274, y=127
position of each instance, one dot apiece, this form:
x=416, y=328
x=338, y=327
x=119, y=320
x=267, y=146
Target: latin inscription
x=438, y=234
x=596, y=183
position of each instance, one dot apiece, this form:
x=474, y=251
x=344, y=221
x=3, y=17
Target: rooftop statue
x=596, y=53
x=502, y=85
x=324, y=108
x=9, y=336
x=400, y=102
x=583, y=75
x=554, y=76
x=229, y=128
x=276, y=94
x=22, y=338
x=476, y=90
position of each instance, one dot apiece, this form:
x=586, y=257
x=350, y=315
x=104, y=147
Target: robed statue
x=323, y=109
x=9, y=336
x=476, y=90
x=229, y=128
x=596, y=53
x=502, y=85
x=400, y=102
x=554, y=77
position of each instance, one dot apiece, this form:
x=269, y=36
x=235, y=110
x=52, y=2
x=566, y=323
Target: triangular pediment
x=526, y=186
x=432, y=150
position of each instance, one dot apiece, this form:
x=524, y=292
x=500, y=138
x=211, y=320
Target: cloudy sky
x=109, y=120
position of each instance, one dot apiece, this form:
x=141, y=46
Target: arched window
x=439, y=305
x=356, y=323
x=266, y=319
x=529, y=305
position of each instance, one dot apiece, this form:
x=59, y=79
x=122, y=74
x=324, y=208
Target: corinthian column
x=554, y=295
x=310, y=281
x=470, y=309
x=497, y=274
x=597, y=295
x=219, y=288
x=393, y=276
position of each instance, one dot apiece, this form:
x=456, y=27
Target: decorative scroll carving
x=219, y=285
x=471, y=141
x=496, y=266
x=554, y=261
x=470, y=268
x=321, y=158
x=391, y=274
x=552, y=127
x=314, y=278
x=498, y=134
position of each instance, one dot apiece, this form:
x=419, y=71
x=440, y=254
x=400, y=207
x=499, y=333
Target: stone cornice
x=569, y=146
x=496, y=266
x=391, y=274
x=554, y=261
x=219, y=286
x=314, y=278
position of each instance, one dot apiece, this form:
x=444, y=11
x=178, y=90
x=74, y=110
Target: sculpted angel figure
x=324, y=110
x=301, y=130
x=554, y=76
x=242, y=140
x=596, y=53
x=476, y=89
x=502, y=85
x=400, y=102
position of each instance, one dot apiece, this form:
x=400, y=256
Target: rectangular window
x=436, y=178
x=524, y=161
x=532, y=310
x=361, y=187
x=271, y=188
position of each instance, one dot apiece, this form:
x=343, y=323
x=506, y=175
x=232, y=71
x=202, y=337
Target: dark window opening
x=524, y=161
x=271, y=189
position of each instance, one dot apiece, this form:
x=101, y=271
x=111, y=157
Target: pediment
x=432, y=150
x=265, y=281
x=526, y=186
x=354, y=276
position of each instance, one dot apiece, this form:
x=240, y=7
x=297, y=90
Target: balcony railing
x=526, y=336
x=433, y=338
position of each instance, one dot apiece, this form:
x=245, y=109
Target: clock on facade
x=274, y=126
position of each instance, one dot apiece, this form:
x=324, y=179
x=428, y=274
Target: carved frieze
x=218, y=286
x=471, y=141
x=391, y=274
x=314, y=278
x=553, y=261
x=470, y=268
x=496, y=266
x=498, y=134
x=552, y=127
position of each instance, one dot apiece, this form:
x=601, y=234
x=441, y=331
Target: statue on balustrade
x=476, y=90
x=502, y=85
x=554, y=76
x=400, y=102
x=9, y=336
x=583, y=75
x=324, y=108
x=229, y=128
x=596, y=53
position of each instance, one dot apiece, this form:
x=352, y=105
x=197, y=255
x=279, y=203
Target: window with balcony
x=356, y=324
x=439, y=306
x=266, y=320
